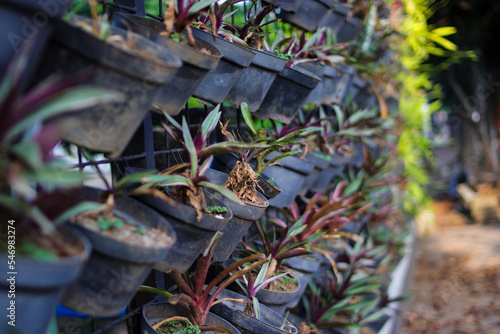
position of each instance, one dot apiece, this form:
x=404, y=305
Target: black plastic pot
x=357, y=158
x=155, y=313
x=288, y=5
x=305, y=267
x=287, y=94
x=193, y=237
x=255, y=80
x=319, y=165
x=116, y=268
x=37, y=286
x=278, y=300
x=346, y=28
x=218, y=82
x=270, y=322
x=308, y=15
x=351, y=28
x=226, y=162
x=290, y=175
x=108, y=127
x=325, y=177
x=174, y=94
x=243, y=218
x=366, y=98
x=339, y=85
x=357, y=84
x=318, y=94
x=27, y=20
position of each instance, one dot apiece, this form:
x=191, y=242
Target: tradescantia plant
x=251, y=286
x=350, y=298
x=252, y=32
x=33, y=183
x=198, y=296
x=188, y=179
x=279, y=249
x=243, y=178
x=179, y=14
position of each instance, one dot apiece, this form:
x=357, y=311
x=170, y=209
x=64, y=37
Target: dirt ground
x=456, y=282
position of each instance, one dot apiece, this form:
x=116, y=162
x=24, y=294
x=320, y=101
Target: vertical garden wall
x=226, y=166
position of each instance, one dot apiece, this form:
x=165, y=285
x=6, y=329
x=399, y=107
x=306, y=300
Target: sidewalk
x=457, y=279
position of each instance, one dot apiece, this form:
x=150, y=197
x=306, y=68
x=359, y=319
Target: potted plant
x=308, y=15
x=20, y=26
x=255, y=80
x=197, y=296
x=350, y=299
x=198, y=56
x=122, y=61
x=128, y=238
x=217, y=84
x=195, y=227
x=252, y=161
x=41, y=256
x=344, y=24
x=291, y=87
x=285, y=289
x=325, y=216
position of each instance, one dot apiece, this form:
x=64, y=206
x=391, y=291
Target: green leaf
x=346, y=307
x=171, y=120
x=223, y=191
x=247, y=116
x=355, y=185
x=445, y=43
x=19, y=206
x=56, y=177
x=29, y=152
x=356, y=290
x=444, y=31
x=256, y=307
x=200, y=5
x=188, y=142
x=210, y=122
x=76, y=210
x=70, y=100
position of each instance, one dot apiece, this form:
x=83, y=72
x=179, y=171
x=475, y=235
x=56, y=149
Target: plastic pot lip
x=185, y=52
x=317, y=161
x=359, y=83
x=262, y=197
x=268, y=61
x=235, y=295
x=313, y=67
x=330, y=71
x=327, y=3
x=156, y=69
x=242, y=57
x=293, y=163
x=34, y=6
x=346, y=69
x=300, y=76
x=110, y=246
x=208, y=222
x=69, y=265
x=147, y=308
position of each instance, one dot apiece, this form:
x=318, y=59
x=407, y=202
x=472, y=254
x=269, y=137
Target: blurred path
x=456, y=281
